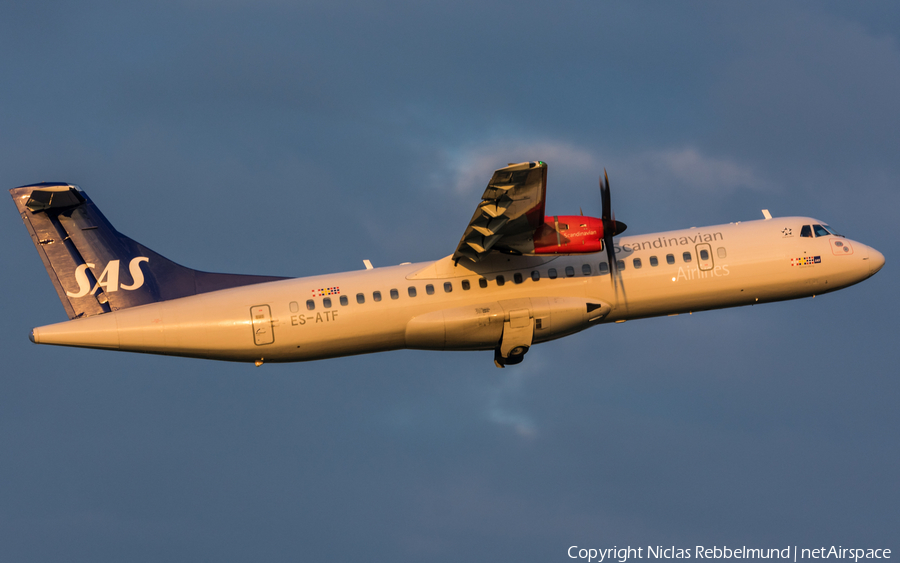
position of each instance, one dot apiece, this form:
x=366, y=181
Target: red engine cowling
x=569, y=234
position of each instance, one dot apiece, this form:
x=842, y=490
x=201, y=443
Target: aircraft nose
x=876, y=261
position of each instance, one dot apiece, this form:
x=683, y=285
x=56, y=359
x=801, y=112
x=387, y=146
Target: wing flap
x=488, y=227
x=512, y=206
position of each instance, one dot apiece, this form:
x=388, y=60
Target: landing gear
x=518, y=333
x=516, y=355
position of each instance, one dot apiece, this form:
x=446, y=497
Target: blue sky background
x=298, y=138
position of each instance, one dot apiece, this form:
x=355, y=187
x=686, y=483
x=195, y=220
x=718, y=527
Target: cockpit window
x=832, y=231
x=806, y=231
x=820, y=231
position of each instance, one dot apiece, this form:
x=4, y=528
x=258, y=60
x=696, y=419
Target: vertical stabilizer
x=94, y=268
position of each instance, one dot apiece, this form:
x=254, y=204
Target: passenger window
x=820, y=231
x=637, y=263
x=344, y=300
x=620, y=265
x=551, y=273
x=686, y=256
x=535, y=275
x=429, y=289
x=570, y=272
x=586, y=269
x=376, y=296
x=295, y=307
x=501, y=280
x=448, y=287
x=466, y=285
x=517, y=277
x=720, y=252
x=360, y=298
x=395, y=294
x=310, y=304
x=806, y=231
x=653, y=261
x=326, y=302
x=411, y=291
x=704, y=254
x=482, y=282
x=604, y=268
x=670, y=258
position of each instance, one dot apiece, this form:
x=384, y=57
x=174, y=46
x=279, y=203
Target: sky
x=300, y=138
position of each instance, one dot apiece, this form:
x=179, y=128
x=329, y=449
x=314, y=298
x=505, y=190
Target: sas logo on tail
x=109, y=279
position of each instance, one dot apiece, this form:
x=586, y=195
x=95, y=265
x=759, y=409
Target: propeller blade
x=604, y=199
x=610, y=255
x=609, y=228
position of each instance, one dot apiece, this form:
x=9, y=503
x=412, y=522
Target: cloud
x=688, y=167
x=470, y=167
x=467, y=169
x=501, y=398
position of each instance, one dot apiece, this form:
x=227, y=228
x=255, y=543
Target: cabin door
x=705, y=257
x=261, y=320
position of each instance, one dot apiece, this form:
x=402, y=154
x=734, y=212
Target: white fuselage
x=469, y=306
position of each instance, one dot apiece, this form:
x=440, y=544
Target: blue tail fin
x=96, y=269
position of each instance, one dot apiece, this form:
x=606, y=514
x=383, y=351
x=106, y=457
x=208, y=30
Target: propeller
x=611, y=227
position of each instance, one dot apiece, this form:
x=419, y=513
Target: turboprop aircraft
x=517, y=278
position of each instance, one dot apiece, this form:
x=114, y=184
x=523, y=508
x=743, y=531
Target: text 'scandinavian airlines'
x=517, y=278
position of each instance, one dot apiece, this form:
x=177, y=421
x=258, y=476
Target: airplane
x=517, y=278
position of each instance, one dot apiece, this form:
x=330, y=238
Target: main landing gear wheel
x=516, y=355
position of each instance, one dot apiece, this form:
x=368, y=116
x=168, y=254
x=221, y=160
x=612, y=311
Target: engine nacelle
x=477, y=327
x=569, y=234
x=481, y=327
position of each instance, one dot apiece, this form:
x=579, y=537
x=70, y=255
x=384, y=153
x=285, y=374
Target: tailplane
x=94, y=268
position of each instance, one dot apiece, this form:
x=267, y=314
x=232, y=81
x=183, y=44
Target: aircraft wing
x=511, y=208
